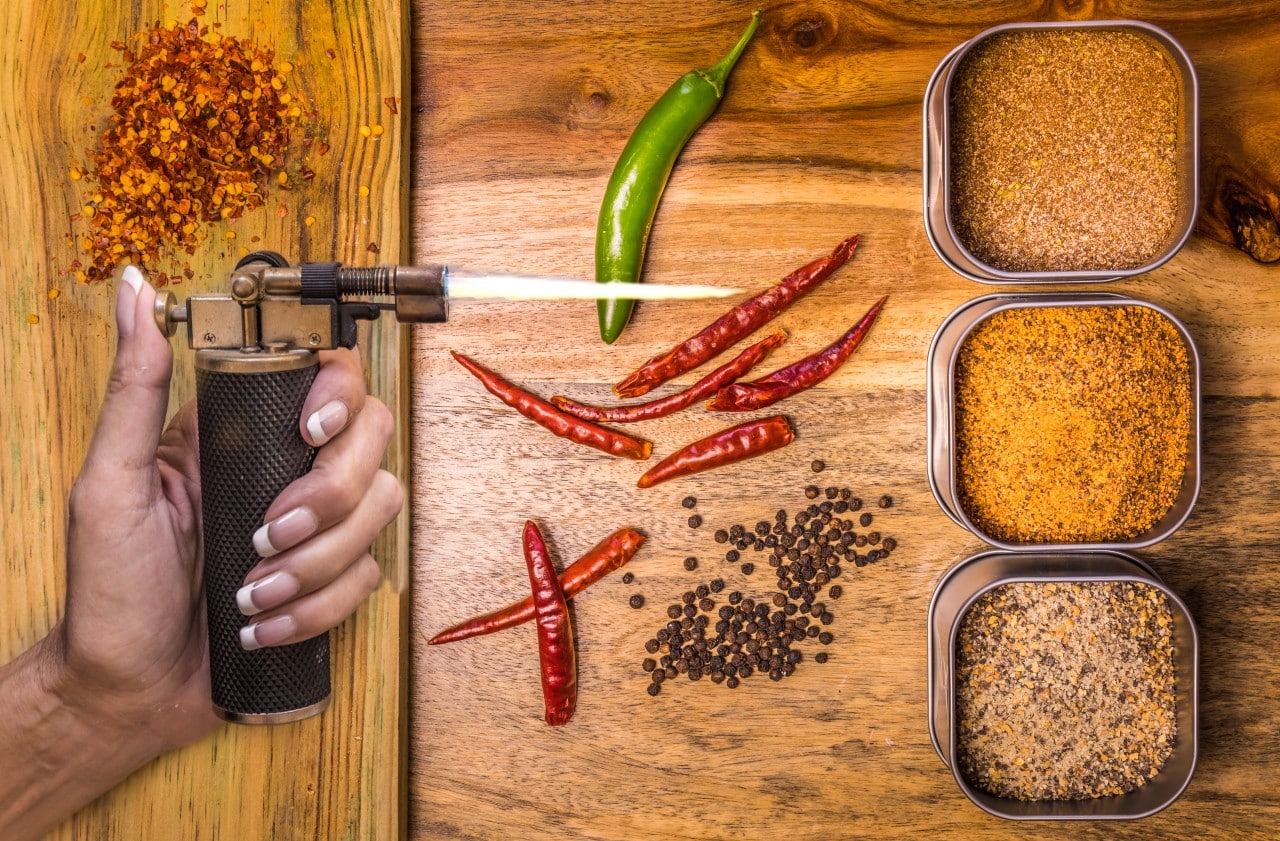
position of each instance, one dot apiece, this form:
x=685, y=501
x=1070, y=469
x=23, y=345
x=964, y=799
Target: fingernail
x=267, y=632
x=132, y=275
x=284, y=531
x=126, y=301
x=276, y=589
x=327, y=421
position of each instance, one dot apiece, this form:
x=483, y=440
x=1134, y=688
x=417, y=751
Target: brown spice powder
x=1065, y=691
x=1063, y=150
x=1072, y=424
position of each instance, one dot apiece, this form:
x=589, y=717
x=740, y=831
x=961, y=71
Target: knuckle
x=380, y=418
x=391, y=492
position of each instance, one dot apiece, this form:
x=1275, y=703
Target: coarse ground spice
x=1072, y=424
x=200, y=125
x=1065, y=691
x=1063, y=150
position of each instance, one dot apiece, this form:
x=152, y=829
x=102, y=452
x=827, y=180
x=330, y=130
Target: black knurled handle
x=250, y=449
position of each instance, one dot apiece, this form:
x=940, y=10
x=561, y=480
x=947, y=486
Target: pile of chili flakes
x=200, y=122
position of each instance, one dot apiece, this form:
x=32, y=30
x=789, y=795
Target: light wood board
x=520, y=112
x=336, y=776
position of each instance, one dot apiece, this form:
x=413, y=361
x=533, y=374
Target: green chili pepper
x=639, y=177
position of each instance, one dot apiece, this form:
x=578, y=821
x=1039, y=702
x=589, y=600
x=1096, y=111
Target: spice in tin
x=1072, y=424
x=1065, y=690
x=1064, y=150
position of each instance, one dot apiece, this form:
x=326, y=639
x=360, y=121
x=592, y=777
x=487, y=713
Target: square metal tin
x=974, y=576
x=937, y=176
x=940, y=413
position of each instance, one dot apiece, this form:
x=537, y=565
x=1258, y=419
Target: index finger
x=336, y=396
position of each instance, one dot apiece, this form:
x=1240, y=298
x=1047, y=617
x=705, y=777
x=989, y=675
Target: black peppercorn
x=636, y=601
x=747, y=569
x=836, y=591
x=689, y=501
x=695, y=521
x=817, y=465
x=864, y=520
x=886, y=501
x=628, y=577
x=821, y=657
x=691, y=563
x=721, y=536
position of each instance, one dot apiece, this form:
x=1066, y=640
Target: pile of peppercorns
x=806, y=551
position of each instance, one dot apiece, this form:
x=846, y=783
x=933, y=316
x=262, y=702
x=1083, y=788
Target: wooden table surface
x=337, y=776
x=520, y=112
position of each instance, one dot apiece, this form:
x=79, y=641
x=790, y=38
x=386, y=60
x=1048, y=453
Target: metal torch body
x=256, y=356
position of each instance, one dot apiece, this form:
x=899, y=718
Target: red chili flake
x=330, y=53
x=118, y=46
x=373, y=248
x=308, y=173
x=199, y=124
x=80, y=58
x=323, y=148
x=392, y=104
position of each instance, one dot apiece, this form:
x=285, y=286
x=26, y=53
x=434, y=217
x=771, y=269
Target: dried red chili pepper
x=565, y=425
x=796, y=377
x=738, y=322
x=725, y=447
x=606, y=556
x=556, y=652
x=708, y=385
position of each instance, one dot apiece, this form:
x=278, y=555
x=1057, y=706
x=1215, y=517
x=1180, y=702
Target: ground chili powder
x=200, y=125
x=1072, y=423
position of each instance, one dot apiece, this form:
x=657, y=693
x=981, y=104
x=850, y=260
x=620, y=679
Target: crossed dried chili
x=725, y=447
x=796, y=377
x=556, y=652
x=738, y=322
x=603, y=558
x=708, y=385
x=546, y=415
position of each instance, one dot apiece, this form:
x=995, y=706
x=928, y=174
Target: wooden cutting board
x=520, y=113
x=336, y=776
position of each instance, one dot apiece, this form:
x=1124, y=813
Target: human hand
x=133, y=641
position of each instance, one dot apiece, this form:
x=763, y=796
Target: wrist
x=75, y=744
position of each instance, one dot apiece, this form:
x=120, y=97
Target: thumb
x=137, y=399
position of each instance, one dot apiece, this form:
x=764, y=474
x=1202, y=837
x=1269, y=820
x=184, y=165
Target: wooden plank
x=519, y=116
x=337, y=776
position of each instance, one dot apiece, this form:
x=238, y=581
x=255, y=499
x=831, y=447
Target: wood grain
x=519, y=113
x=337, y=776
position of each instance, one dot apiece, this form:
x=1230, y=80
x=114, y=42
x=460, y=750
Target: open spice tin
x=938, y=134
x=941, y=410
x=965, y=583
